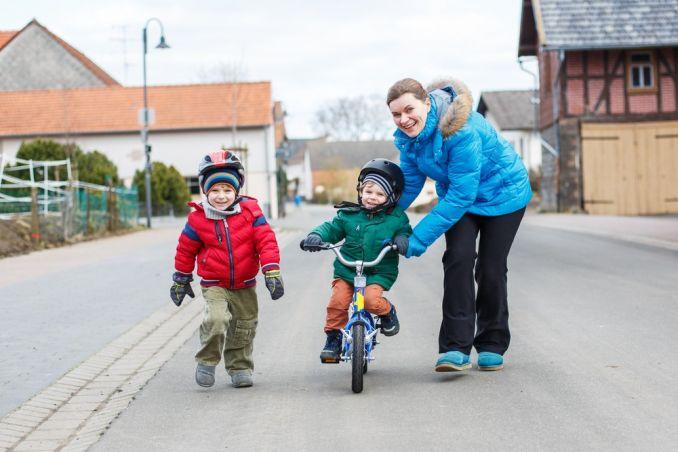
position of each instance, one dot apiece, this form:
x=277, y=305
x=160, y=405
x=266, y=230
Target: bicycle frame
x=359, y=315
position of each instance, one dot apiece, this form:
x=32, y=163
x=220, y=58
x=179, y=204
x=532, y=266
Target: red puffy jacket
x=228, y=251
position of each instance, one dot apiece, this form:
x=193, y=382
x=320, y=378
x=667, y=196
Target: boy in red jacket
x=229, y=237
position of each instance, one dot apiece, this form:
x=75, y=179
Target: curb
x=73, y=412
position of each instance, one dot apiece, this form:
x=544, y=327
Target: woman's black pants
x=461, y=307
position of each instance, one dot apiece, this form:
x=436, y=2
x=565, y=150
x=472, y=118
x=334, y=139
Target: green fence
x=58, y=210
x=96, y=210
x=80, y=209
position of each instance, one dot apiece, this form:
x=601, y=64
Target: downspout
x=534, y=100
x=556, y=111
x=272, y=193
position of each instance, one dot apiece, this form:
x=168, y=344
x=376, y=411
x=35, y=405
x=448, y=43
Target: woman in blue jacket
x=483, y=188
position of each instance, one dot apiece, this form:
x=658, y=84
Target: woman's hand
x=415, y=247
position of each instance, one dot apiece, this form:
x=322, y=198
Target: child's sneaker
x=204, y=375
x=453, y=361
x=241, y=379
x=389, y=323
x=331, y=354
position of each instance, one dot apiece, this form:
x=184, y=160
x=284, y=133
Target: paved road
x=590, y=367
x=60, y=306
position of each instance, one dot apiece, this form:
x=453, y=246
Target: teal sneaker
x=453, y=361
x=490, y=361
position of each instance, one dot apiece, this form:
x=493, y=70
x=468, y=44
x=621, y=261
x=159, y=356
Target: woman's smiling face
x=409, y=114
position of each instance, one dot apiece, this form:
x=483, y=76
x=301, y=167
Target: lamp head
x=163, y=44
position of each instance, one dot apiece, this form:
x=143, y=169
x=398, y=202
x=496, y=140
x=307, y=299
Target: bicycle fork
x=357, y=315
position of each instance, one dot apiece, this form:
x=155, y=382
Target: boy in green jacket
x=366, y=227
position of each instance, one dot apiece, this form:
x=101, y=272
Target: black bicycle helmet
x=389, y=171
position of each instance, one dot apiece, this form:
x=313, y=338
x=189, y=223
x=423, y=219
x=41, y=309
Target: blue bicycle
x=360, y=333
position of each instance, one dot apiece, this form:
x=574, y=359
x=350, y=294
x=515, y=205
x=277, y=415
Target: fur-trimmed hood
x=454, y=104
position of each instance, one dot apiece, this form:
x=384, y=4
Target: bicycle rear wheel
x=357, y=356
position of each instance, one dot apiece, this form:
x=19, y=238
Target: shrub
x=168, y=188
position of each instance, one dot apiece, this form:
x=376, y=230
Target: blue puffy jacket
x=475, y=169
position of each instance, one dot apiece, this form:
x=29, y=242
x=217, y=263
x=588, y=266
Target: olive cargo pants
x=228, y=326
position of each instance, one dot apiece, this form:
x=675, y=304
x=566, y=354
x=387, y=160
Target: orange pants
x=342, y=294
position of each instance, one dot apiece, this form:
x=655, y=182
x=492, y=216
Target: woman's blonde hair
x=404, y=86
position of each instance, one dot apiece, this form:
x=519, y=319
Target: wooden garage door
x=630, y=169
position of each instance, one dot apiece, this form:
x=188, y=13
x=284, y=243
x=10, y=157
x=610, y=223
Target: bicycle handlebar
x=372, y=263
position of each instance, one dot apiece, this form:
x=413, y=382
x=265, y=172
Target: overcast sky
x=312, y=51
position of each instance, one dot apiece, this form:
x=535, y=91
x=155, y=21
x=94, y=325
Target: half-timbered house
x=608, y=117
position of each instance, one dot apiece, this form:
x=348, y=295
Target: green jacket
x=366, y=233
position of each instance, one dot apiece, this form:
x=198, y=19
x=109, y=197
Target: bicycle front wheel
x=357, y=356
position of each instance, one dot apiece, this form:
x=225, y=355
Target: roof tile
x=513, y=110
x=115, y=109
x=576, y=24
x=5, y=36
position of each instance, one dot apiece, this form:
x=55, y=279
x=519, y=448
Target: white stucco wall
x=184, y=150
x=303, y=172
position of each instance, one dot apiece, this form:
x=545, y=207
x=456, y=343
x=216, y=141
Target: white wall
x=303, y=172
x=184, y=150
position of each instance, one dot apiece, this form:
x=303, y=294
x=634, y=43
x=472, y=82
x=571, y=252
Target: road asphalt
x=590, y=365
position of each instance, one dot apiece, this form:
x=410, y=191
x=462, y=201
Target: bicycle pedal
x=329, y=360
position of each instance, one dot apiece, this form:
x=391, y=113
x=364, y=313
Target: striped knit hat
x=228, y=176
x=381, y=182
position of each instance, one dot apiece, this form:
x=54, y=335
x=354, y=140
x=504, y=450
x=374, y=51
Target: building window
x=193, y=185
x=641, y=71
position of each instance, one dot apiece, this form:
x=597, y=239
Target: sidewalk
x=72, y=412
x=660, y=231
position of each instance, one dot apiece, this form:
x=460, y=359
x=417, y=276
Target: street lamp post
x=144, y=131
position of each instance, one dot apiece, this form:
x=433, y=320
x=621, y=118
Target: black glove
x=402, y=243
x=181, y=287
x=312, y=243
x=274, y=283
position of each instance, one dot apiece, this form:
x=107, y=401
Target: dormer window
x=641, y=72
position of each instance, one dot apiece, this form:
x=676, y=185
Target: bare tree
x=227, y=72
x=354, y=119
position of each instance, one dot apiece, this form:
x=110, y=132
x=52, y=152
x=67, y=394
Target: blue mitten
x=415, y=247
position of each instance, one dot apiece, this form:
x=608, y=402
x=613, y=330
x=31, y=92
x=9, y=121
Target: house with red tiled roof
x=187, y=121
